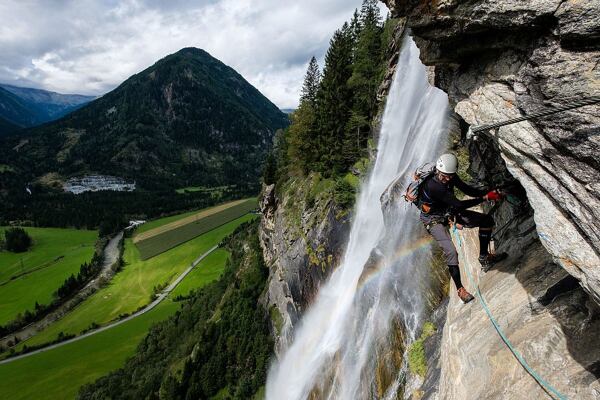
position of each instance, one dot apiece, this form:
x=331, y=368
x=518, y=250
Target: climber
x=440, y=209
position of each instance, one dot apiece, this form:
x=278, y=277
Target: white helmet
x=447, y=163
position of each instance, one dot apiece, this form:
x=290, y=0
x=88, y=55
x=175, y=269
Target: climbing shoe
x=464, y=295
x=488, y=260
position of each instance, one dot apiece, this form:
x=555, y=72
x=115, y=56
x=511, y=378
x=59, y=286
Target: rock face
x=301, y=243
x=498, y=60
x=544, y=313
x=503, y=59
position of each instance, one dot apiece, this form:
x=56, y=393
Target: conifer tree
x=355, y=26
x=335, y=101
x=311, y=82
x=303, y=141
x=365, y=79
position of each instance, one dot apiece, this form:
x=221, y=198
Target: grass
x=37, y=273
x=276, y=318
x=133, y=287
x=216, y=189
x=150, y=225
x=59, y=373
x=160, y=239
x=162, y=221
x=210, y=269
x=260, y=394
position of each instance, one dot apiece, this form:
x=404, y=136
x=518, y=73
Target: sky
x=90, y=47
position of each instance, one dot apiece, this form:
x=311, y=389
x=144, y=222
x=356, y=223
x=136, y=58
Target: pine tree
x=270, y=170
x=334, y=102
x=355, y=26
x=365, y=79
x=311, y=83
x=303, y=141
x=303, y=130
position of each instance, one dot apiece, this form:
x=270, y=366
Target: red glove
x=494, y=195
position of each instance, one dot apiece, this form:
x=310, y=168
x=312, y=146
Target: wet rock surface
x=499, y=60
x=503, y=59
x=432, y=346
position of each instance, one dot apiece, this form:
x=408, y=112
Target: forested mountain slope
x=188, y=119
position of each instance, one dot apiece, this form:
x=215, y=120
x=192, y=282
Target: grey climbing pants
x=441, y=234
x=439, y=230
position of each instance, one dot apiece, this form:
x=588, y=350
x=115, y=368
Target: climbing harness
x=543, y=383
x=472, y=133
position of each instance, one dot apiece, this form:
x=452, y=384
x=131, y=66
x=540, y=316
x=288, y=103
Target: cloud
x=90, y=47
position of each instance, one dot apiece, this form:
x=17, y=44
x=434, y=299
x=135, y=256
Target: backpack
x=413, y=190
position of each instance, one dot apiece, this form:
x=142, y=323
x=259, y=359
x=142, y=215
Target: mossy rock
x=417, y=363
x=276, y=319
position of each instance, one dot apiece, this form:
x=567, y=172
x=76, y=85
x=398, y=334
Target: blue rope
x=543, y=383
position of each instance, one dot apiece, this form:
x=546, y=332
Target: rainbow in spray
x=375, y=267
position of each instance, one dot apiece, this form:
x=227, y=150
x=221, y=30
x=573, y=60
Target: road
x=144, y=310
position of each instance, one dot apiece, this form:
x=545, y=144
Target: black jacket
x=440, y=197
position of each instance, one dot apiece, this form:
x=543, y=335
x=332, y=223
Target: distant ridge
x=27, y=107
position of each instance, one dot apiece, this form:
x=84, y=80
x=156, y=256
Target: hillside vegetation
x=134, y=286
x=330, y=131
x=219, y=341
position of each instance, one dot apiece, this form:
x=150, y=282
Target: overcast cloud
x=90, y=47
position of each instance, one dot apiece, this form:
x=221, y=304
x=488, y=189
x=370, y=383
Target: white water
x=334, y=349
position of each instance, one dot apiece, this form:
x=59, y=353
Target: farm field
x=155, y=223
x=215, y=190
x=164, y=237
x=132, y=288
x=36, y=274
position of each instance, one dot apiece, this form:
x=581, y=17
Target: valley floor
x=59, y=372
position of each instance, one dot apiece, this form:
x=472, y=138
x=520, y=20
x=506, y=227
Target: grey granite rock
x=503, y=59
x=300, y=254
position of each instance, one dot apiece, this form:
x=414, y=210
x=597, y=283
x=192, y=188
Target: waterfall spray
x=333, y=354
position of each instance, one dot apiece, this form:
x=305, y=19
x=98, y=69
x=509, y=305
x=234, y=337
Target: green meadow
x=208, y=270
x=60, y=372
x=132, y=288
x=36, y=274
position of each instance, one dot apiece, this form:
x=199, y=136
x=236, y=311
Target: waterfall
x=333, y=354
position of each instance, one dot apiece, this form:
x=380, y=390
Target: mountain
x=51, y=105
x=18, y=111
x=188, y=119
x=27, y=107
